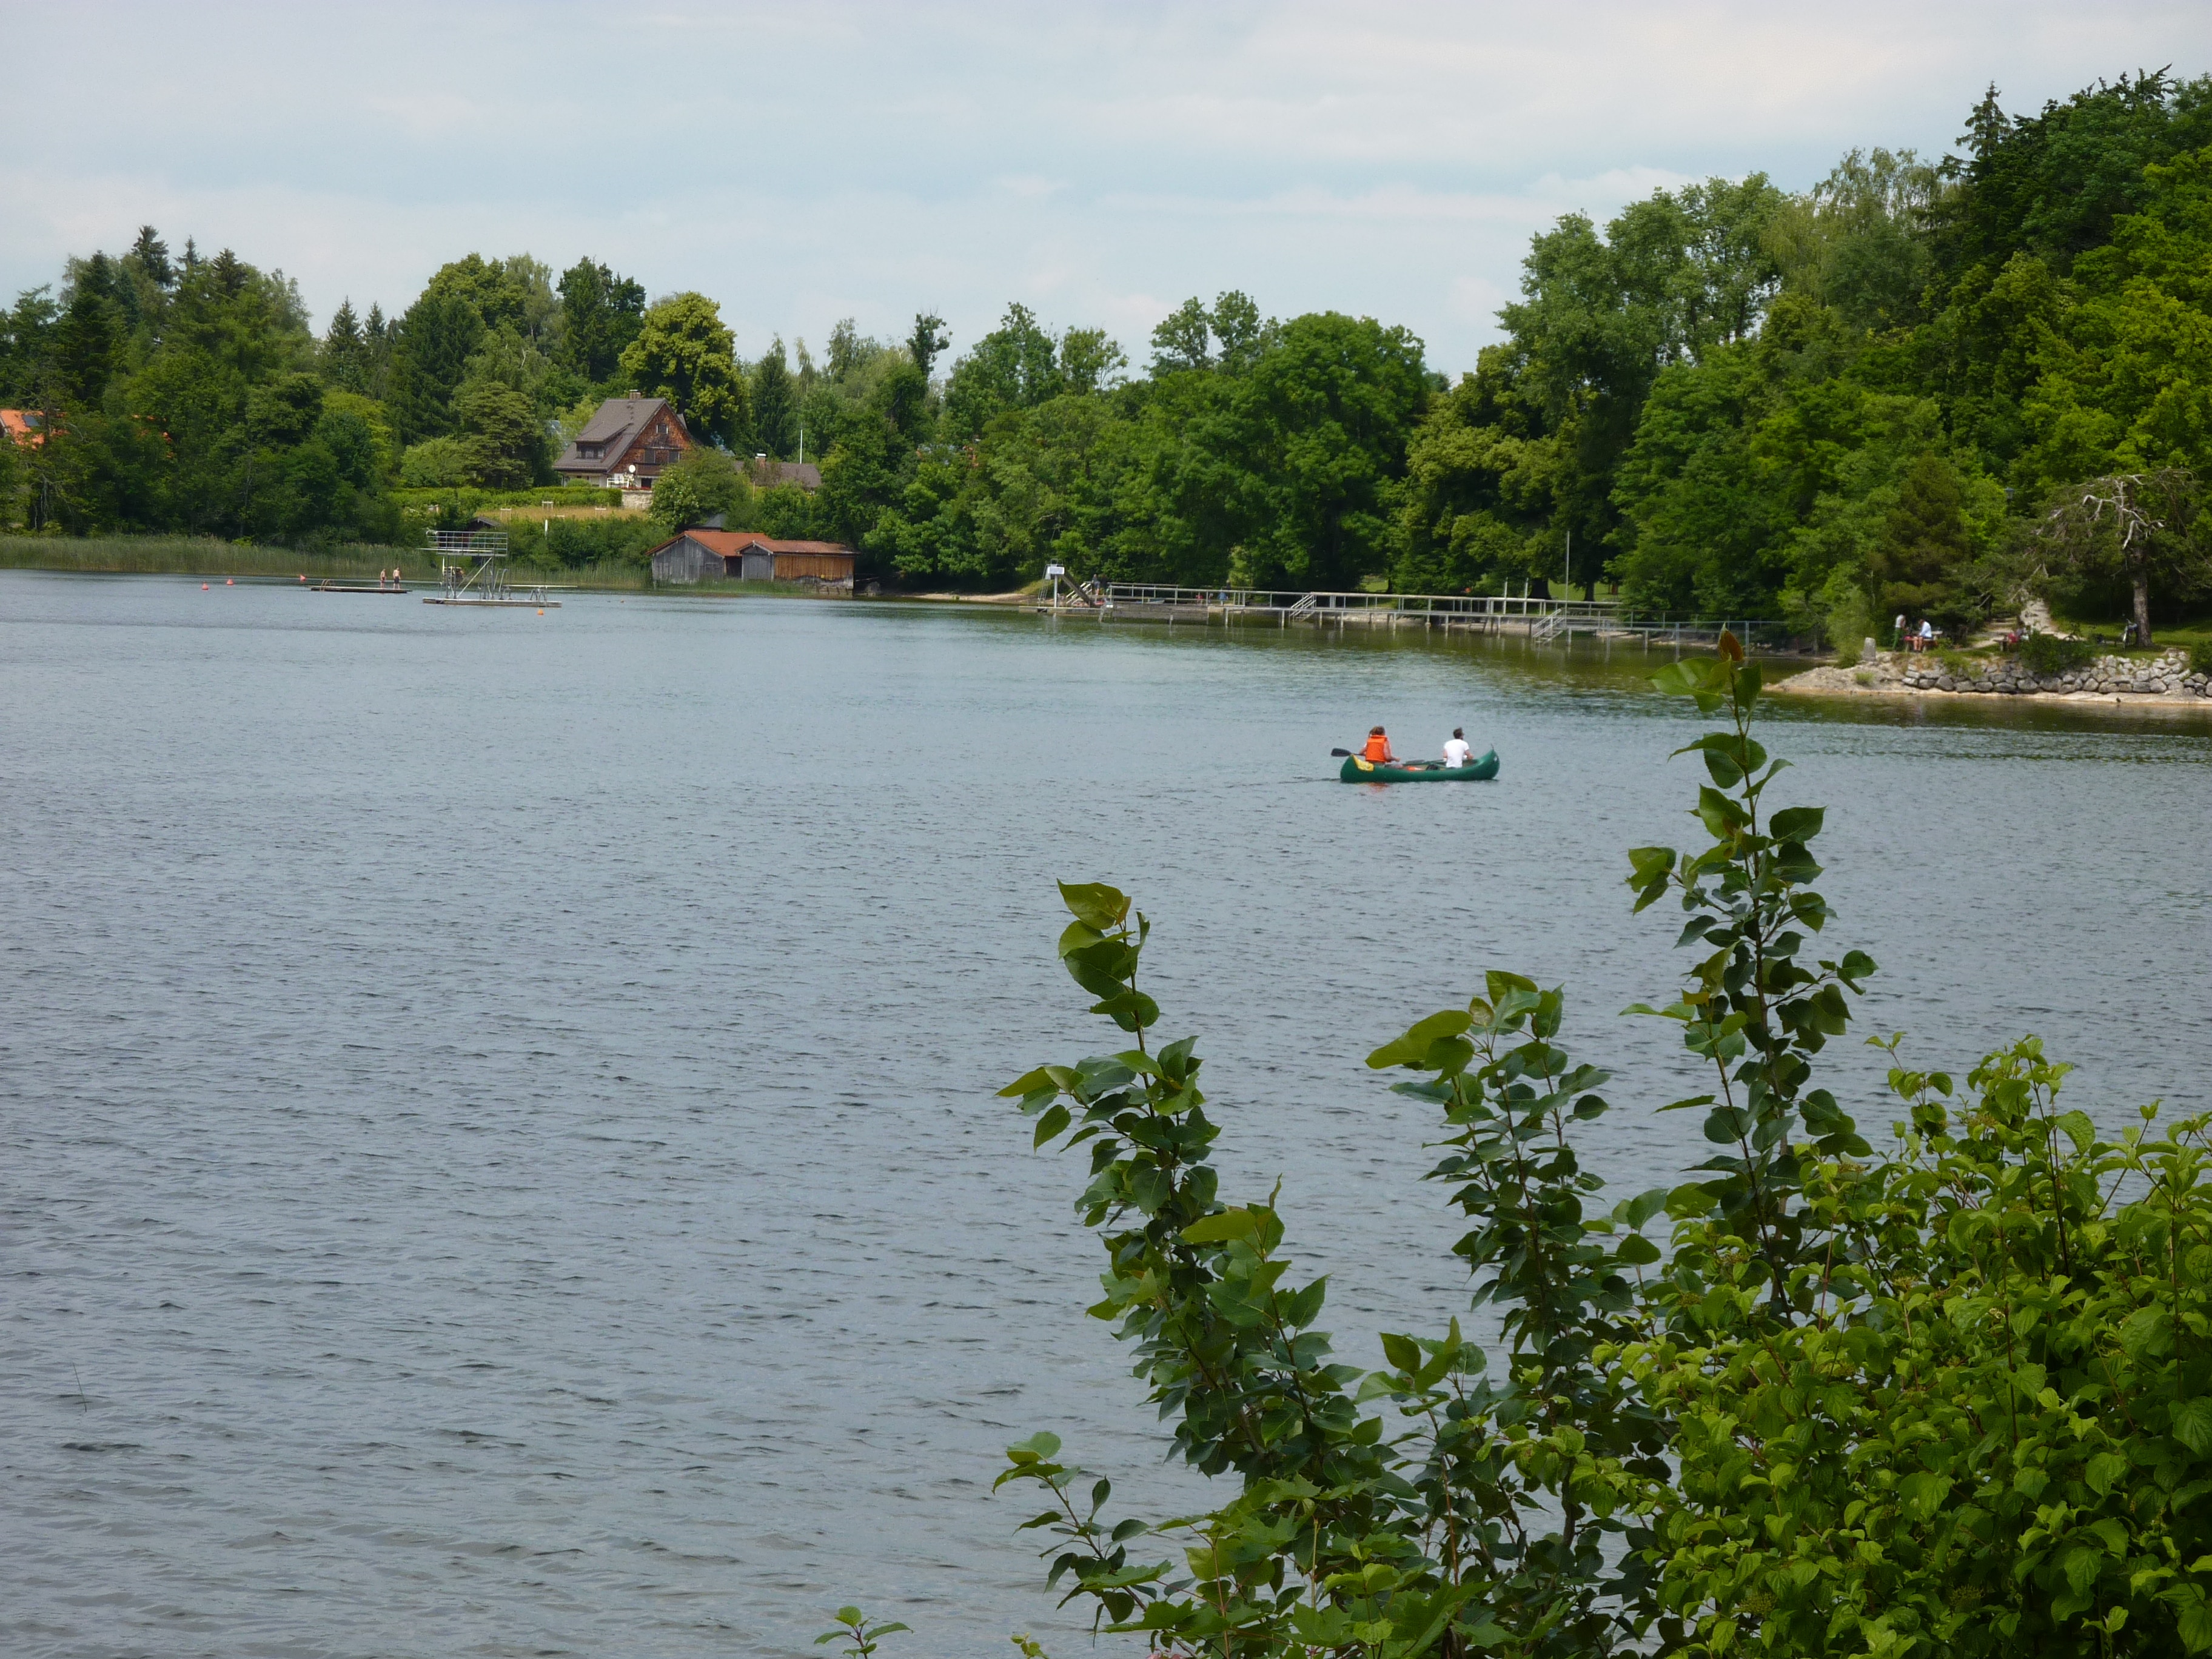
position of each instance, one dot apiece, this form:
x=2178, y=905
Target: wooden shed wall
x=814, y=567
x=685, y=562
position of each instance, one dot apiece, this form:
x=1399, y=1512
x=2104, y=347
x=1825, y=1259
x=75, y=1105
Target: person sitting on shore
x=1458, y=751
x=1378, y=748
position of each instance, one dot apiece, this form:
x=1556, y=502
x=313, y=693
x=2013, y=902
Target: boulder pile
x=2167, y=674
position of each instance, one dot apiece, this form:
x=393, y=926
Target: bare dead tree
x=2139, y=521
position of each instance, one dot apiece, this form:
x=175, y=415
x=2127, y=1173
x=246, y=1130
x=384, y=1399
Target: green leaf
x=1721, y=816
x=1923, y=1494
x=1102, y=969
x=1689, y=1200
x=1412, y=1049
x=1798, y=823
x=1402, y=1352
x=1094, y=904
x=1051, y=1124
x=1693, y=677
x=1132, y=1011
x=2104, y=1471
x=1038, y=1448
x=1222, y=1226
x=2193, y=1623
x=2192, y=1424
x=1079, y=936
x=1029, y=1082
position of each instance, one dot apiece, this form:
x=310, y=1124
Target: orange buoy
x=226, y=582
x=203, y=587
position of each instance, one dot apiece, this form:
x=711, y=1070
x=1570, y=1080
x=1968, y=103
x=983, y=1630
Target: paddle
x=1340, y=754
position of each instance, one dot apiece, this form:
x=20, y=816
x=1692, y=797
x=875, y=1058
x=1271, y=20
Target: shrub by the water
x=1945, y=1398
x=2047, y=654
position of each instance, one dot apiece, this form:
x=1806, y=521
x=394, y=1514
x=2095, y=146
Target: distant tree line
x=1894, y=392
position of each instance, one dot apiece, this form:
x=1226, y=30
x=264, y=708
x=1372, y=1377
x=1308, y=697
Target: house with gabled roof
x=626, y=444
x=23, y=426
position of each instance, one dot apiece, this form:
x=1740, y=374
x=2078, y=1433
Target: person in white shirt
x=1458, y=752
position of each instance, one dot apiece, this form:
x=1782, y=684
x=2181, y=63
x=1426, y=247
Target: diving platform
x=472, y=572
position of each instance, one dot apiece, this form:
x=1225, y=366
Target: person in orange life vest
x=1378, y=748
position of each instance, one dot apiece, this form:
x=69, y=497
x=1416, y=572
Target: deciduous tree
x=685, y=353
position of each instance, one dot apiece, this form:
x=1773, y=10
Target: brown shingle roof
x=617, y=420
x=767, y=474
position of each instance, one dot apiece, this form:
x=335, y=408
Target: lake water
x=500, y=1151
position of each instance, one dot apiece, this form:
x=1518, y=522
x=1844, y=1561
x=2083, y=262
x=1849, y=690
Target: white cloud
x=803, y=164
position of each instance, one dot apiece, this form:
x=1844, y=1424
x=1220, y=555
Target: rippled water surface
x=500, y=1152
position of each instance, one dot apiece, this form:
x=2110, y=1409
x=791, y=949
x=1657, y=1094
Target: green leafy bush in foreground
x=1948, y=1398
x=2047, y=654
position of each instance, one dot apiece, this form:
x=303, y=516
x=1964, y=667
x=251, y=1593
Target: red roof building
x=747, y=555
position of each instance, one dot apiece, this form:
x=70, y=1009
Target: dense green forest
x=1867, y=397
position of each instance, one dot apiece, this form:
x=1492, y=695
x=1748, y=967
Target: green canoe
x=1356, y=770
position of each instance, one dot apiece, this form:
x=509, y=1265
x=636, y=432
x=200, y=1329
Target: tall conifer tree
x=344, y=349
x=775, y=404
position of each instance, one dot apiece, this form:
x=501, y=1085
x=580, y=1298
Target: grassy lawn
x=2192, y=632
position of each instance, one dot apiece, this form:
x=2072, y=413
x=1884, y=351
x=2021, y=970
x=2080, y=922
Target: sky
x=800, y=163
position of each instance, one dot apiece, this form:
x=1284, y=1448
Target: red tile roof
x=728, y=544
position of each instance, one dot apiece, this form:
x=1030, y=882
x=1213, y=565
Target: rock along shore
x=2168, y=679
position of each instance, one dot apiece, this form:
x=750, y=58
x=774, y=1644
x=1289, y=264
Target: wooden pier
x=1516, y=616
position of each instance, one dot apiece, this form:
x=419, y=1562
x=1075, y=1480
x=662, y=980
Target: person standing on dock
x=1457, y=751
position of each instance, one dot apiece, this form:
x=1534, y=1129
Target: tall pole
x=1568, y=580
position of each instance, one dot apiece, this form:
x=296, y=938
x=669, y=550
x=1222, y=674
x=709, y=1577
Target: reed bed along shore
x=200, y=555
x=187, y=555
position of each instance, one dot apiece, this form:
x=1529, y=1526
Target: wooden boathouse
x=704, y=555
